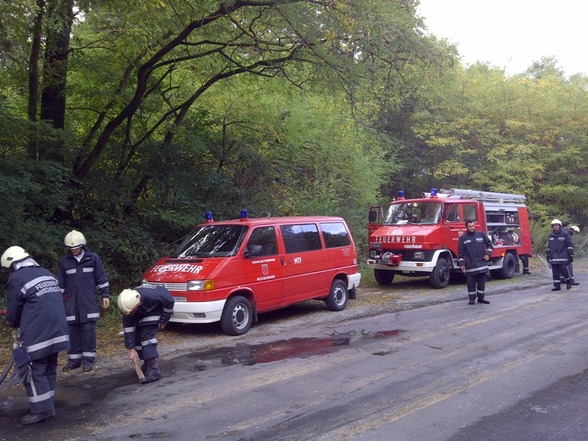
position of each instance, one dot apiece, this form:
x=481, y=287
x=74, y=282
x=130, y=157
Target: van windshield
x=212, y=241
x=421, y=213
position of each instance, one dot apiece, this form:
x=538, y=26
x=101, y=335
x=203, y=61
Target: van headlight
x=200, y=285
x=419, y=255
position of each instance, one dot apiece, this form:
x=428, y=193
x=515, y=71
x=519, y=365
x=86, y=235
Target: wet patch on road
x=249, y=355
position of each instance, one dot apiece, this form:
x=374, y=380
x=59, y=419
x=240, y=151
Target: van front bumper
x=198, y=312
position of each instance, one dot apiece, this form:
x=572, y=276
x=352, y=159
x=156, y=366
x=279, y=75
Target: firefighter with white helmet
x=146, y=309
x=35, y=306
x=82, y=279
x=560, y=252
x=571, y=230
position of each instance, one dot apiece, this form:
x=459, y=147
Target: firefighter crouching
x=35, y=304
x=146, y=309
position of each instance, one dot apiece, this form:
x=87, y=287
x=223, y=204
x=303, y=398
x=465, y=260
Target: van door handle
x=282, y=260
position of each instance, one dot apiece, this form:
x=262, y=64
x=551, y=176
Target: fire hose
x=542, y=259
x=15, y=344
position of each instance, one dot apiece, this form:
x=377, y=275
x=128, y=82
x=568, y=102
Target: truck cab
x=419, y=237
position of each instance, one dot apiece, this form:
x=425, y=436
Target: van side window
x=262, y=242
x=335, y=235
x=299, y=238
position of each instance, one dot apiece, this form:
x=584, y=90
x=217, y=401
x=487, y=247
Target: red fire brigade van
x=419, y=237
x=229, y=271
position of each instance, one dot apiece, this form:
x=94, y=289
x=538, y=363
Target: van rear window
x=212, y=241
x=298, y=238
x=335, y=235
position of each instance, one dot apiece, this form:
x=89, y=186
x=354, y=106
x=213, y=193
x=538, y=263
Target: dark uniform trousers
x=41, y=387
x=82, y=338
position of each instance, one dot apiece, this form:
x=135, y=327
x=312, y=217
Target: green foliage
x=290, y=108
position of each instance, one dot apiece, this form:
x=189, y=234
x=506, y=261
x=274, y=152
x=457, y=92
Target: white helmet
x=128, y=300
x=555, y=222
x=74, y=239
x=13, y=254
x=576, y=229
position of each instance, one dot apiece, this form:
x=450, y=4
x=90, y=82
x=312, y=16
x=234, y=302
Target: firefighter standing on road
x=571, y=230
x=560, y=252
x=474, y=251
x=146, y=309
x=80, y=275
x=35, y=305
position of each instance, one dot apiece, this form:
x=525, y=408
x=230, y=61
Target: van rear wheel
x=237, y=316
x=338, y=296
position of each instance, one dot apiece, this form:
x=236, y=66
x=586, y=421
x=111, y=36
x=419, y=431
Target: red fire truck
x=419, y=237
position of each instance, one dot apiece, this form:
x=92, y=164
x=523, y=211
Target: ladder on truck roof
x=484, y=196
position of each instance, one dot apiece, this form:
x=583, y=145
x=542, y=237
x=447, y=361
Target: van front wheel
x=338, y=296
x=237, y=316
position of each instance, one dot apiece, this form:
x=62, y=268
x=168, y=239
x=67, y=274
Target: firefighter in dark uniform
x=146, y=309
x=35, y=305
x=81, y=274
x=474, y=249
x=565, y=225
x=560, y=252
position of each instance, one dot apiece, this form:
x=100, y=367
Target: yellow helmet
x=74, y=239
x=13, y=254
x=128, y=300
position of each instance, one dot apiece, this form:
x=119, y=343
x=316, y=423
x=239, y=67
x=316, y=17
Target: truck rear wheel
x=439, y=278
x=237, y=316
x=383, y=277
x=509, y=266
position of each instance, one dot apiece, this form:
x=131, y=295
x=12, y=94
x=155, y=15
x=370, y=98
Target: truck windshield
x=212, y=241
x=421, y=213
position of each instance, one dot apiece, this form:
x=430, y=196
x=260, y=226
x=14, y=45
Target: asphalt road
x=402, y=363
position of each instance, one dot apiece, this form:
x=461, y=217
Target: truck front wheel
x=383, y=277
x=439, y=278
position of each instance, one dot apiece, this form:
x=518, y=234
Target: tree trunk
x=33, y=104
x=53, y=95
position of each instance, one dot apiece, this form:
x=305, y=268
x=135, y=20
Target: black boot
x=569, y=283
x=556, y=286
x=472, y=299
x=33, y=418
x=71, y=365
x=482, y=300
x=526, y=271
x=574, y=283
x=152, y=371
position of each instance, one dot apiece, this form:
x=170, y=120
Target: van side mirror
x=253, y=250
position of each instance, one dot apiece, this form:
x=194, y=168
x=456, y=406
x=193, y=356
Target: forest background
x=128, y=120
